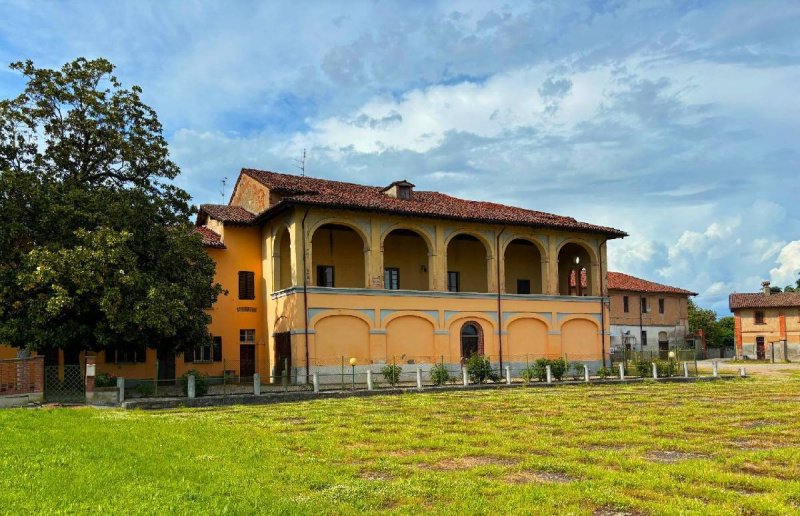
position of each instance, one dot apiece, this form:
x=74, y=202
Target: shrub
x=200, y=383
x=644, y=368
x=604, y=372
x=105, y=380
x=558, y=367
x=577, y=370
x=529, y=373
x=391, y=373
x=145, y=389
x=540, y=368
x=479, y=369
x=439, y=374
x=666, y=368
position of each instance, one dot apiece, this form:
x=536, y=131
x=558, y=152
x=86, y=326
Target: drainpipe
x=602, y=305
x=499, y=306
x=305, y=291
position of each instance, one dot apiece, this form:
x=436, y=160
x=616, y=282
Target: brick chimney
x=765, y=287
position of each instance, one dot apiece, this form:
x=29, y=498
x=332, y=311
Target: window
x=644, y=338
x=404, y=192
x=661, y=305
x=625, y=304
x=126, y=354
x=470, y=340
x=325, y=276
x=209, y=353
x=644, y=305
x=247, y=336
x=391, y=278
x=453, y=281
x=759, y=317
x=523, y=286
x=247, y=285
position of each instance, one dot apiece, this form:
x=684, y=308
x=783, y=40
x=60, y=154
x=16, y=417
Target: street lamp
x=353, y=363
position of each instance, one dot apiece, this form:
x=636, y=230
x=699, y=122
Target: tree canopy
x=96, y=244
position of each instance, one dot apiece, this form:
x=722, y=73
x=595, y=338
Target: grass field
x=722, y=447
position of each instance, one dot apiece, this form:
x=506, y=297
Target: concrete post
x=190, y=391
x=315, y=381
x=419, y=378
x=655, y=371
x=464, y=374
x=715, y=369
x=742, y=372
x=621, y=371
x=121, y=388
x=508, y=375
x=549, y=374
x=369, y=379
x=586, y=373
x=257, y=384
x=89, y=380
x=686, y=369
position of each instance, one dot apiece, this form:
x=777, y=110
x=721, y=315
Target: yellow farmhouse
x=766, y=324
x=319, y=272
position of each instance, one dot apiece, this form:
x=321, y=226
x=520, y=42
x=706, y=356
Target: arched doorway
x=466, y=265
x=337, y=257
x=405, y=261
x=471, y=340
x=523, y=266
x=282, y=260
x=574, y=271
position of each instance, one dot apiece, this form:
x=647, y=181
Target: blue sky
x=678, y=122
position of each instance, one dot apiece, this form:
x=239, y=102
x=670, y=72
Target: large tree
x=703, y=319
x=96, y=244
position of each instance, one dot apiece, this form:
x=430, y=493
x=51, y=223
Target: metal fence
x=64, y=384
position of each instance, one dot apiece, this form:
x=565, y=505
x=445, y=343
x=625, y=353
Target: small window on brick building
x=325, y=276
x=661, y=305
x=644, y=338
x=759, y=317
x=247, y=285
x=625, y=307
x=644, y=305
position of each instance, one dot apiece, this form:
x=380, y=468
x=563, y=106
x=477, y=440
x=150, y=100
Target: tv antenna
x=301, y=164
x=222, y=191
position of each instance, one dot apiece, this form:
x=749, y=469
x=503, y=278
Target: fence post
x=686, y=369
x=655, y=371
x=549, y=374
x=508, y=375
x=419, y=378
x=464, y=375
x=369, y=379
x=120, y=389
x=621, y=371
x=742, y=372
x=715, y=369
x=190, y=391
x=257, y=384
x=315, y=381
x=586, y=373
x=90, y=374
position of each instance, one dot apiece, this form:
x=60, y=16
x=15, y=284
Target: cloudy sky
x=678, y=122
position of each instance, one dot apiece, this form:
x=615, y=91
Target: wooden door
x=247, y=360
x=283, y=354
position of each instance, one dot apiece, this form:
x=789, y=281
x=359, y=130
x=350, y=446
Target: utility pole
x=301, y=164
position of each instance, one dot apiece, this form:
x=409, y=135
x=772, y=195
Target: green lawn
x=722, y=447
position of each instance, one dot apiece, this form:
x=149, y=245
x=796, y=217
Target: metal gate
x=64, y=384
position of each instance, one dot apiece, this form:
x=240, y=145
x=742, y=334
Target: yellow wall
x=528, y=340
x=468, y=257
x=410, y=254
x=344, y=250
x=523, y=261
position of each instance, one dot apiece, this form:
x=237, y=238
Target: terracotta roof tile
x=620, y=281
x=337, y=194
x=210, y=239
x=227, y=213
x=761, y=300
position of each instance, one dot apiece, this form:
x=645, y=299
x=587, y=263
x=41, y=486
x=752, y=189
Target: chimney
x=765, y=287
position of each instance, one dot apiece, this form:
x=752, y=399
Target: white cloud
x=788, y=265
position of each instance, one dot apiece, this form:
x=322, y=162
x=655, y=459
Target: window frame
x=625, y=305
x=759, y=317
x=394, y=283
x=662, y=305
x=247, y=285
x=322, y=273
x=644, y=337
x=243, y=332
x=457, y=276
x=645, y=304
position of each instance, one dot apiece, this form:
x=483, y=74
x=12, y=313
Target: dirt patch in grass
x=672, y=457
x=759, y=423
x=540, y=477
x=381, y=476
x=469, y=463
x=608, y=511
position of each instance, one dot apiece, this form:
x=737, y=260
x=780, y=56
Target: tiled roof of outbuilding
x=228, y=213
x=337, y=194
x=761, y=300
x=210, y=239
x=620, y=281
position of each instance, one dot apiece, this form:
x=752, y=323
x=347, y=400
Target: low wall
x=21, y=381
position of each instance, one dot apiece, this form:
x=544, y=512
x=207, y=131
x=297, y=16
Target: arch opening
x=467, y=269
x=337, y=257
x=574, y=271
x=282, y=261
x=471, y=340
x=523, y=267
x=405, y=261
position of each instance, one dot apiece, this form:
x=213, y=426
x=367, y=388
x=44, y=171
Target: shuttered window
x=247, y=285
